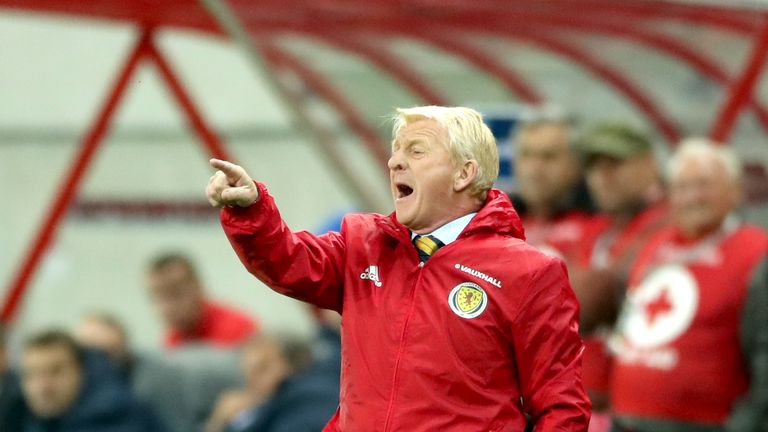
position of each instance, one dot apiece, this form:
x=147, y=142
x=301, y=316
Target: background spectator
x=104, y=332
x=68, y=389
x=281, y=394
x=626, y=185
x=182, y=385
x=552, y=198
x=692, y=343
x=190, y=317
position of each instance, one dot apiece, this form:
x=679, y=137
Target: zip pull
x=421, y=264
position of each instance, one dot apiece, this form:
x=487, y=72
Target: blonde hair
x=468, y=139
x=705, y=147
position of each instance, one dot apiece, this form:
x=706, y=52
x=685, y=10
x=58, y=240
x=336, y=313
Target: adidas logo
x=372, y=274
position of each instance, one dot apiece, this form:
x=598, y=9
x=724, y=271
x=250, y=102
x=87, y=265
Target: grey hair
x=697, y=147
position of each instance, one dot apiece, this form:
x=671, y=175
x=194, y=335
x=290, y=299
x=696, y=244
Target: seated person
x=280, y=395
x=69, y=389
x=190, y=317
x=104, y=332
x=182, y=385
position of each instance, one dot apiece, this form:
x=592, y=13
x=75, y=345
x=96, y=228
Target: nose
x=396, y=161
x=530, y=166
x=686, y=194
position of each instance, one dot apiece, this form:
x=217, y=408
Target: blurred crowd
x=216, y=371
x=672, y=282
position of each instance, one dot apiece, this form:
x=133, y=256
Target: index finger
x=232, y=171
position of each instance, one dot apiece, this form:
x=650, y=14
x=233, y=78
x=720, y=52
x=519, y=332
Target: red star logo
x=658, y=306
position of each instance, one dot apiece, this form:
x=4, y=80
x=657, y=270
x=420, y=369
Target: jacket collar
x=497, y=215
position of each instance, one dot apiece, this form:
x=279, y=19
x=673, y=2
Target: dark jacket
x=12, y=407
x=105, y=404
x=326, y=354
x=304, y=401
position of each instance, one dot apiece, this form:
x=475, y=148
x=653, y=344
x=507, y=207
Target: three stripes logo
x=372, y=274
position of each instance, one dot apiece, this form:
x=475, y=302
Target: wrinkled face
x=177, y=296
x=422, y=175
x=702, y=193
x=545, y=167
x=264, y=367
x=94, y=333
x=51, y=379
x=618, y=185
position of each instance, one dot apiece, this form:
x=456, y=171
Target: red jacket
x=607, y=244
x=218, y=325
x=484, y=331
x=564, y=235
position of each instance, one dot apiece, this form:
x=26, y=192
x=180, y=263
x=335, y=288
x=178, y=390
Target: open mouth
x=403, y=190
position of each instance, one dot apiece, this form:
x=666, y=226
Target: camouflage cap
x=617, y=140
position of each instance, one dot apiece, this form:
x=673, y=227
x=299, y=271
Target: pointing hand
x=230, y=186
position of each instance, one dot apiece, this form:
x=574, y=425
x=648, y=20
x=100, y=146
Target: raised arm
x=297, y=264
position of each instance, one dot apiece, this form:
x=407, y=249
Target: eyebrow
x=397, y=143
x=414, y=141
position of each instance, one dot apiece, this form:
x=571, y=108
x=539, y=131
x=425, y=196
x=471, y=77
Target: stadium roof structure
x=367, y=29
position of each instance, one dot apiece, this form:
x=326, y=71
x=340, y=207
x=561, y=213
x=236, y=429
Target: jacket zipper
x=400, y=349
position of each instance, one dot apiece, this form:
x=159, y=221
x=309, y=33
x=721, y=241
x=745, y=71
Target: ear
x=465, y=175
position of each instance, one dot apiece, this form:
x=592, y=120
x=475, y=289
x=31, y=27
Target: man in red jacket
x=190, y=316
x=451, y=322
x=552, y=198
x=624, y=181
x=692, y=341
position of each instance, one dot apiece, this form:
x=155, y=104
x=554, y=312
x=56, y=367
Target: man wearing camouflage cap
x=625, y=185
